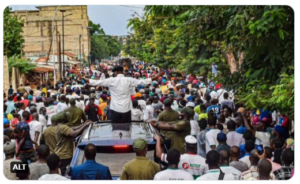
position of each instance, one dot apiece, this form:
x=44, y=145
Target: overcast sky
x=112, y=18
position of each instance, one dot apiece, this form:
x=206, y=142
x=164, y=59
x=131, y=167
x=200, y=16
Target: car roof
x=107, y=133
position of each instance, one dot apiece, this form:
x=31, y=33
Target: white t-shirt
x=142, y=104
x=80, y=104
x=231, y=170
x=97, y=102
x=43, y=120
x=213, y=95
x=220, y=93
x=53, y=177
x=61, y=107
x=39, y=105
x=194, y=164
x=262, y=138
x=211, y=139
x=194, y=128
x=149, y=112
x=137, y=115
x=246, y=160
x=50, y=111
x=213, y=174
x=35, y=126
x=173, y=174
x=234, y=139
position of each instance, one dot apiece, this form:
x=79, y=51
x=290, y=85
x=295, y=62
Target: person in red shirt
x=25, y=101
x=93, y=111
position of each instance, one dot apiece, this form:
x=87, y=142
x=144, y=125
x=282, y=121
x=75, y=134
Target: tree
x=258, y=40
x=12, y=36
x=99, y=49
x=114, y=46
x=98, y=43
x=24, y=65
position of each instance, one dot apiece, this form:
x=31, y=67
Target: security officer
x=180, y=129
x=140, y=168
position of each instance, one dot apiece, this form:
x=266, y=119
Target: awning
x=43, y=70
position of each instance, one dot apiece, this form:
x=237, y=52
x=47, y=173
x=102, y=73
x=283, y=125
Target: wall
x=37, y=29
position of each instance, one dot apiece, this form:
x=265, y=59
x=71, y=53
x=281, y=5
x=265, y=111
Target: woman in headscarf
x=280, y=133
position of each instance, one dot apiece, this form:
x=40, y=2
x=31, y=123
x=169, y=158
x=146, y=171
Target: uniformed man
x=140, y=168
x=180, y=129
x=189, y=161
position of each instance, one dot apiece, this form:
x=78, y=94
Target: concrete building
x=37, y=30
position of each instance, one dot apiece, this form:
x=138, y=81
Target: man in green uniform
x=48, y=136
x=169, y=116
x=65, y=136
x=140, y=168
x=76, y=114
x=180, y=129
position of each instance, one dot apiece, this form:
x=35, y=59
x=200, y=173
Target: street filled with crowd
x=204, y=133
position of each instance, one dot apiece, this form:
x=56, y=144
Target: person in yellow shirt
x=203, y=114
x=44, y=89
x=102, y=106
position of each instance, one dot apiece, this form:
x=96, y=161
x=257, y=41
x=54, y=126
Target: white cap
x=190, y=104
x=190, y=139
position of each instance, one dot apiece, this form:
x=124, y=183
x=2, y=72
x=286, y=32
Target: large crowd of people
x=204, y=134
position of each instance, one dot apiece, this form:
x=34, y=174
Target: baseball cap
x=139, y=144
x=187, y=111
x=54, y=118
x=139, y=95
x=221, y=136
x=190, y=139
x=72, y=100
x=9, y=147
x=5, y=121
x=190, y=104
x=60, y=116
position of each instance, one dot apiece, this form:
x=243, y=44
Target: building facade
x=37, y=30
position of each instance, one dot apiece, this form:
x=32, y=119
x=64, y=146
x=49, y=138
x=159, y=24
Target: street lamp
x=63, y=37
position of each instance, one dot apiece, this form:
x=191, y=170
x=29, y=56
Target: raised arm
x=164, y=125
x=158, y=146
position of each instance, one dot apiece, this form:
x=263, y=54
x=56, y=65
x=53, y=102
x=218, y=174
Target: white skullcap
x=190, y=139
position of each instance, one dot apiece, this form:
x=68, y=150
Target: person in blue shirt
x=10, y=90
x=90, y=170
x=214, y=107
x=240, y=124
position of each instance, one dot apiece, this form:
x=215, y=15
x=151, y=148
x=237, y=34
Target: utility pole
x=83, y=51
x=80, y=51
x=59, y=55
x=63, y=41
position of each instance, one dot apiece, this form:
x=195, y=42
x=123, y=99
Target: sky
x=112, y=18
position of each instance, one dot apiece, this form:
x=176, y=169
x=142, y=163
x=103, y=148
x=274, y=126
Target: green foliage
x=102, y=45
x=191, y=38
x=99, y=49
x=24, y=65
x=12, y=33
x=95, y=28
